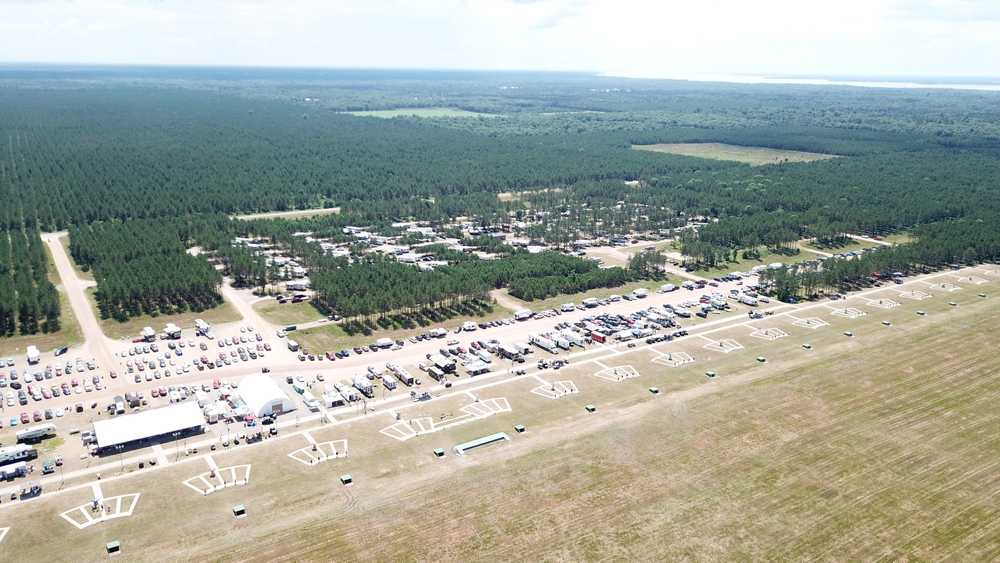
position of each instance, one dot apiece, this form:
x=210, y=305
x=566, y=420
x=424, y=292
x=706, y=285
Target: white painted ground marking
x=556, y=389
x=847, y=312
x=882, y=303
x=946, y=286
x=161, y=456
x=769, y=333
x=406, y=429
x=707, y=339
x=674, y=359
x=320, y=452
x=617, y=373
x=309, y=437
x=3, y=533
x=490, y=380
x=598, y=362
x=916, y=295
x=470, y=395
x=232, y=476
x=87, y=515
x=211, y=462
x=539, y=379
x=98, y=493
x=726, y=345
x=811, y=322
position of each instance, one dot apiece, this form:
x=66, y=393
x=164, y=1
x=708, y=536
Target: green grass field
x=851, y=245
x=420, y=112
x=881, y=446
x=754, y=156
x=745, y=264
x=287, y=313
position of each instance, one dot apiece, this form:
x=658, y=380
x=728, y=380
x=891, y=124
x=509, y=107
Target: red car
x=38, y=416
x=24, y=418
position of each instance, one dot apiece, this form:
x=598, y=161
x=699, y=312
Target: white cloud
x=645, y=37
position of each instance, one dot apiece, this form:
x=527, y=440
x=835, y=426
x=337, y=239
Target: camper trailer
x=19, y=452
x=523, y=315
x=36, y=434
x=544, y=344
x=362, y=384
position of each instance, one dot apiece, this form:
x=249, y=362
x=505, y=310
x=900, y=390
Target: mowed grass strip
x=754, y=156
x=889, y=452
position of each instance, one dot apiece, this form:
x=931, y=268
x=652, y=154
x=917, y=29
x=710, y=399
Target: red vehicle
x=154, y=392
x=24, y=418
x=330, y=356
x=597, y=337
x=38, y=416
x=216, y=383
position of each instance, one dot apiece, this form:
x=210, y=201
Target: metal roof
x=147, y=424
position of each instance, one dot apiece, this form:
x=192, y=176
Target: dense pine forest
x=141, y=165
x=29, y=303
x=142, y=267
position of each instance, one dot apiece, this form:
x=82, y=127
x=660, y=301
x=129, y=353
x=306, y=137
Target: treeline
x=530, y=289
x=29, y=303
x=378, y=285
x=966, y=241
x=142, y=267
x=126, y=153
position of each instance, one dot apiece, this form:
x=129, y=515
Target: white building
x=263, y=396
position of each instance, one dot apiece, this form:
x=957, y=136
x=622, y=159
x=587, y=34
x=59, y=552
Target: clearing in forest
x=754, y=156
x=420, y=112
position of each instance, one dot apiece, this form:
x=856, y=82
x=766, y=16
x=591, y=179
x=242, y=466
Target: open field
x=745, y=264
x=899, y=238
x=577, y=298
x=111, y=328
x=420, y=112
x=296, y=214
x=332, y=337
x=880, y=445
x=852, y=245
x=754, y=156
x=287, y=313
x=68, y=334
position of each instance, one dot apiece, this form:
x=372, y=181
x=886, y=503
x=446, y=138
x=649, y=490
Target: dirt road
x=95, y=342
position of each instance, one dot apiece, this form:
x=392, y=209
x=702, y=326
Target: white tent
x=263, y=396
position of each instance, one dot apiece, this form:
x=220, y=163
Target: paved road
x=96, y=343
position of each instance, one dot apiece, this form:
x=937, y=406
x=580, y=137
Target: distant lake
x=983, y=84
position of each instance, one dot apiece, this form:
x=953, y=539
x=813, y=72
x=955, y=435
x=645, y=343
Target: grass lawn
x=420, y=112
x=881, y=446
x=577, y=298
x=333, y=337
x=68, y=334
x=744, y=265
x=224, y=313
x=852, y=245
x=754, y=156
x=900, y=238
x=295, y=214
x=287, y=313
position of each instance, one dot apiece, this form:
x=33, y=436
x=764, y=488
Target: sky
x=648, y=38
